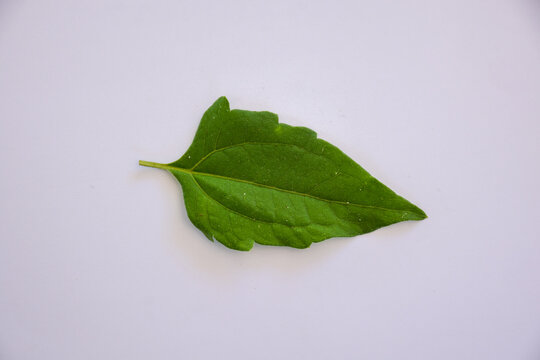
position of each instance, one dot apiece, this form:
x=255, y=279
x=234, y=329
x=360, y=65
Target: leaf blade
x=248, y=178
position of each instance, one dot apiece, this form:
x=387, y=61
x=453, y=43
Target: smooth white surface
x=438, y=99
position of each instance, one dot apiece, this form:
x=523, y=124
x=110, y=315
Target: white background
x=437, y=99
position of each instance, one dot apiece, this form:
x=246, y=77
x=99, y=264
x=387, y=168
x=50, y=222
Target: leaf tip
x=418, y=214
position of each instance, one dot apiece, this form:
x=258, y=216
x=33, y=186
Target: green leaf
x=247, y=178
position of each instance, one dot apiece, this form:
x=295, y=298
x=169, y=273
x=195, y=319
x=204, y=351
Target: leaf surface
x=248, y=178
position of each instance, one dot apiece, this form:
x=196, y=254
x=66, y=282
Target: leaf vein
x=234, y=211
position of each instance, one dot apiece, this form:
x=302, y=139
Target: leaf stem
x=153, y=164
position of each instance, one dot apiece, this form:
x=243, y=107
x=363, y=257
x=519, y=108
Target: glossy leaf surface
x=248, y=178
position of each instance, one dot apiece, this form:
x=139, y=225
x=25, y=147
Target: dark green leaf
x=247, y=178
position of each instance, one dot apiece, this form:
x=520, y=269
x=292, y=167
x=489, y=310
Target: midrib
x=192, y=172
